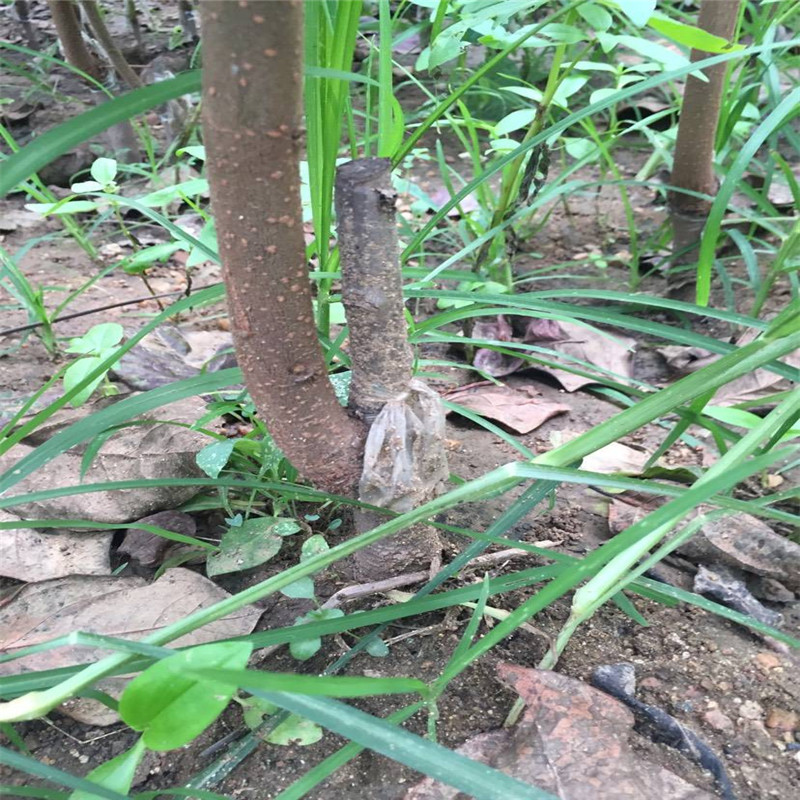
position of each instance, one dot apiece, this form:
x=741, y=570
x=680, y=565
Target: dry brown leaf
x=112, y=606
x=522, y=410
x=753, y=386
x=31, y=555
x=613, y=459
x=610, y=352
x=572, y=741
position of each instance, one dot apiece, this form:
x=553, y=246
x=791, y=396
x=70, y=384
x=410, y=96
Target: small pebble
x=768, y=660
x=780, y=719
x=718, y=721
x=749, y=709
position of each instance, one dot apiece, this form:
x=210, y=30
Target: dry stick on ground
x=68, y=27
x=252, y=90
x=693, y=167
x=405, y=462
x=121, y=66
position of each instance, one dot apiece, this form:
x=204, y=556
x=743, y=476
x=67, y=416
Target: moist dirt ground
x=717, y=678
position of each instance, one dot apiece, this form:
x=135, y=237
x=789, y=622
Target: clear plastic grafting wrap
x=404, y=458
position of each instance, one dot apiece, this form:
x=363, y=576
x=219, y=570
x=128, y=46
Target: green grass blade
x=58, y=140
x=472, y=777
x=314, y=685
x=115, y=414
x=47, y=773
x=785, y=110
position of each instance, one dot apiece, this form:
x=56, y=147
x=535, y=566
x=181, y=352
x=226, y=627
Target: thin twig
x=33, y=325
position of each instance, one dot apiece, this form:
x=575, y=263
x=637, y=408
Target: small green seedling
x=103, y=171
x=94, y=348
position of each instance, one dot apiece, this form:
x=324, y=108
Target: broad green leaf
x=55, y=142
x=654, y=51
x=143, y=258
x=579, y=148
x=286, y=527
x=170, y=705
x=337, y=313
x=98, y=338
x=568, y=87
x=303, y=649
x=116, y=774
x=197, y=151
x=70, y=207
x=302, y=588
x=213, y=457
x=313, y=546
x=514, y=121
x=295, y=730
x=596, y=16
x=208, y=237
x=559, y=32
x=252, y=543
x=87, y=186
x=637, y=11
x=163, y=197
x=448, y=45
x=104, y=170
x=691, y=36
x=76, y=372
x=377, y=648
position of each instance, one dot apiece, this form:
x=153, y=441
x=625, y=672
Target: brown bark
x=693, y=167
x=405, y=463
x=372, y=287
x=121, y=66
x=68, y=28
x=252, y=90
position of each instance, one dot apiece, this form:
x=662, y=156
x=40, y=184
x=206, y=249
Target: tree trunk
x=693, y=167
x=372, y=287
x=68, y=28
x=405, y=463
x=252, y=91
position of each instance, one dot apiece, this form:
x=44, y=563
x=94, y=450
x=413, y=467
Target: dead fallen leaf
x=572, y=741
x=574, y=345
x=440, y=195
x=31, y=555
x=522, y=410
x=610, y=352
x=753, y=386
x=491, y=362
x=613, y=459
x=127, y=607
